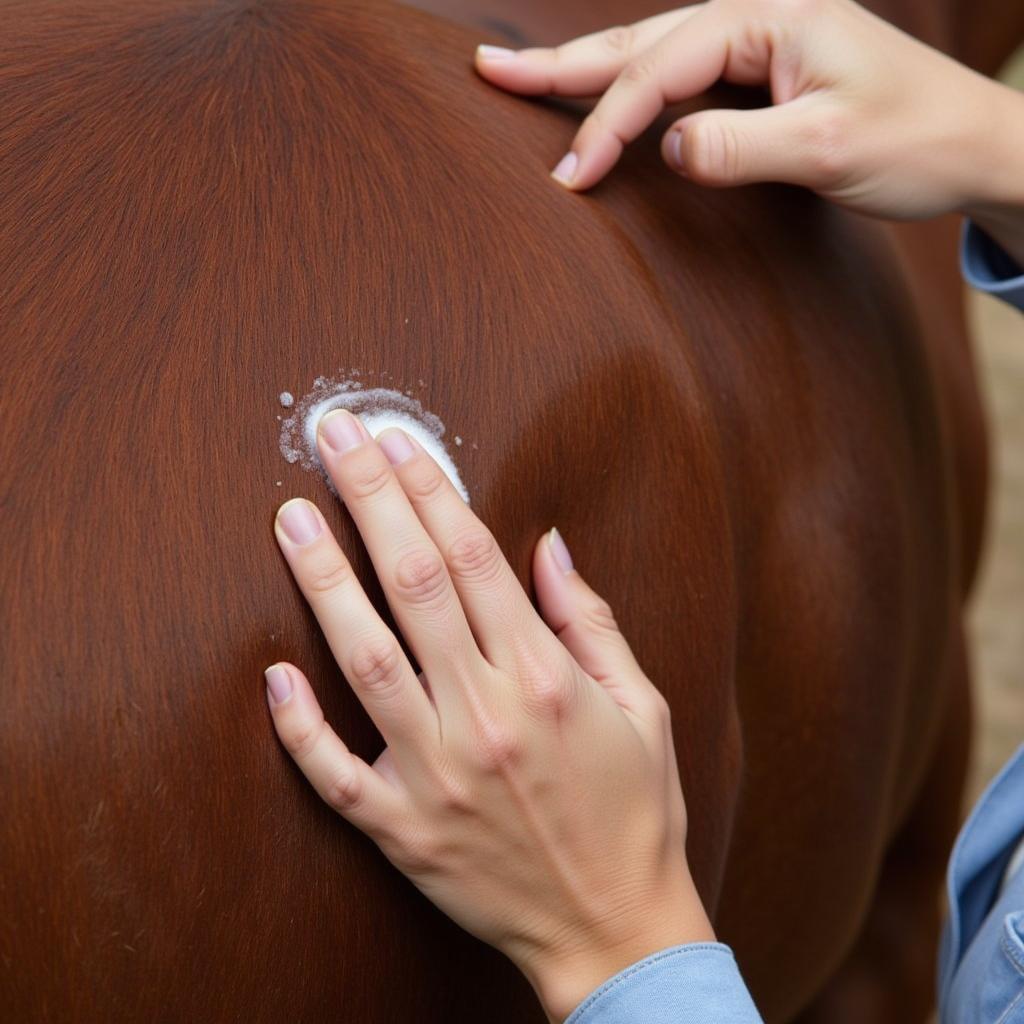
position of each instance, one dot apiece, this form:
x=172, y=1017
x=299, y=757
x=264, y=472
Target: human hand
x=529, y=785
x=864, y=114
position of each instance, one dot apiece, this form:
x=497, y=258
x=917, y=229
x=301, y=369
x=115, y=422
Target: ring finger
x=365, y=649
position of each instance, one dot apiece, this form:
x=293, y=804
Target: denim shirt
x=981, y=963
x=988, y=268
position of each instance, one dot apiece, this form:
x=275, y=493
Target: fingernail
x=396, y=446
x=299, y=522
x=341, y=430
x=566, y=169
x=559, y=551
x=279, y=683
x=494, y=52
x=675, y=149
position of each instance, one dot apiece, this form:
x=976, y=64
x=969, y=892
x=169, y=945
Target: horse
x=753, y=417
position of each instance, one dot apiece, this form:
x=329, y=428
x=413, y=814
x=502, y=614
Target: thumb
x=581, y=619
x=795, y=142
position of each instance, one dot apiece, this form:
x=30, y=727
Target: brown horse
x=760, y=449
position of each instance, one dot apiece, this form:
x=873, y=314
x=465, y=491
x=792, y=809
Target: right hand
x=864, y=114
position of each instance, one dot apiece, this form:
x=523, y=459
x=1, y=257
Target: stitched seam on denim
x=636, y=968
x=1012, y=953
x=1016, y=1002
x=962, y=841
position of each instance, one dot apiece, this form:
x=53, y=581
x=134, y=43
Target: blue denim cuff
x=692, y=984
x=987, y=267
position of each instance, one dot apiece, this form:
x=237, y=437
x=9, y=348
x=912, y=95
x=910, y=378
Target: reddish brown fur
x=753, y=442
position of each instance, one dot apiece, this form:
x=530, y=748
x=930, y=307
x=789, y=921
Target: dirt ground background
x=997, y=613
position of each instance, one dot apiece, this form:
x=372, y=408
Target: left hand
x=529, y=785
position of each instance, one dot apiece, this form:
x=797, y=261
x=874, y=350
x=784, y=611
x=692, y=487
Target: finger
x=581, y=67
x=685, y=62
x=790, y=142
x=412, y=572
x=584, y=622
x=365, y=649
x=496, y=606
x=344, y=781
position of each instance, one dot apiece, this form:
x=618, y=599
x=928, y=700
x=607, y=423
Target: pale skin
x=861, y=113
x=529, y=785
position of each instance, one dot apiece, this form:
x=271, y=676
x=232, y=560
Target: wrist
x=995, y=199
x=562, y=981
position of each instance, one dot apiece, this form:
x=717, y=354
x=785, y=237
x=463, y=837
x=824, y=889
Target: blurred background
x=997, y=614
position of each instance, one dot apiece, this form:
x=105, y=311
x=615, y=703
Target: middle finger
x=411, y=570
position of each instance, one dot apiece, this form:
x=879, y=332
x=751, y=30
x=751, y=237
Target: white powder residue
x=378, y=408
x=287, y=399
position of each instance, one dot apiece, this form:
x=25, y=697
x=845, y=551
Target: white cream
x=378, y=408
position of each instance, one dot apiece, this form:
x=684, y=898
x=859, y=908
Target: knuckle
x=368, y=479
x=328, y=575
x=619, y=40
x=551, y=694
x=713, y=151
x=421, y=577
x=598, y=616
x=497, y=747
x=475, y=556
x=344, y=791
x=300, y=738
x=453, y=794
x=546, y=687
x=826, y=140
x=417, y=854
x=377, y=666
x=426, y=482
x=640, y=70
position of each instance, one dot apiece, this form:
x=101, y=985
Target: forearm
x=996, y=200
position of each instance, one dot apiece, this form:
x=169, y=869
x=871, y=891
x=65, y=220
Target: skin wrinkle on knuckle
x=639, y=71
x=344, y=791
x=423, y=481
x=367, y=479
x=497, y=747
x=475, y=556
x=549, y=694
x=543, y=682
x=376, y=666
x=826, y=140
x=421, y=578
x=599, y=617
x=302, y=736
x=454, y=795
x=707, y=150
x=619, y=39
x=326, y=576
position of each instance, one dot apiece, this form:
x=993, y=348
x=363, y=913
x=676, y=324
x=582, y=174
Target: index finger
x=581, y=67
x=685, y=63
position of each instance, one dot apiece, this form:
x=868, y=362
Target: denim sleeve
x=988, y=268
x=693, y=984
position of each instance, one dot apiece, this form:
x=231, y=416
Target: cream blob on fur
x=379, y=408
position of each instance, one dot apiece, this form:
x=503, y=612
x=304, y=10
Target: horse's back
x=209, y=204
